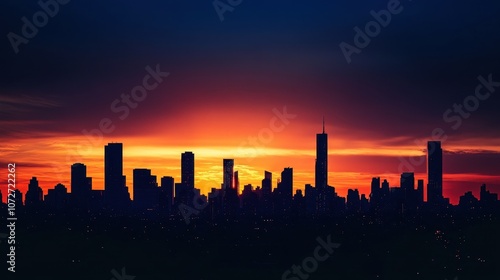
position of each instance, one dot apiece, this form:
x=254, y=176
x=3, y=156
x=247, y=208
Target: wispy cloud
x=24, y=103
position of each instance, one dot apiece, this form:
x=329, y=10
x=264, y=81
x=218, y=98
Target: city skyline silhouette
x=233, y=139
x=177, y=216
x=146, y=190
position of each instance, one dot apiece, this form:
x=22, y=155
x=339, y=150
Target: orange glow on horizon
x=50, y=159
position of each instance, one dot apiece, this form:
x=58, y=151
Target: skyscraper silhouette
x=236, y=182
x=287, y=182
x=34, y=196
x=267, y=187
x=115, y=191
x=146, y=192
x=375, y=193
x=353, y=200
x=408, y=193
x=184, y=191
x=267, y=183
x=420, y=191
x=57, y=198
x=487, y=198
x=434, y=172
x=321, y=173
x=113, y=166
x=228, y=165
x=166, y=198
x=81, y=185
x=284, y=194
x=385, y=187
x=187, y=170
x=407, y=181
x=324, y=194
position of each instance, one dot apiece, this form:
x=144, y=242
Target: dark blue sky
x=424, y=61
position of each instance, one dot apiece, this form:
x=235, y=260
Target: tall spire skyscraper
x=323, y=125
x=321, y=173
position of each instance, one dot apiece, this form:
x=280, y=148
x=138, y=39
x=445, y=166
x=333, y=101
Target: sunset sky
x=228, y=78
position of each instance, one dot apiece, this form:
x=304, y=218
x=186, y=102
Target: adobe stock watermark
x=29, y=30
x=249, y=149
x=199, y=203
x=310, y=264
x=122, y=107
x=122, y=276
x=454, y=116
x=222, y=7
x=372, y=29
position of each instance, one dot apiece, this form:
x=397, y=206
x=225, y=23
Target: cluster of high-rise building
x=264, y=201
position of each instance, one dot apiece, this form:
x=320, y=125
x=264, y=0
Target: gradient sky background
x=227, y=77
